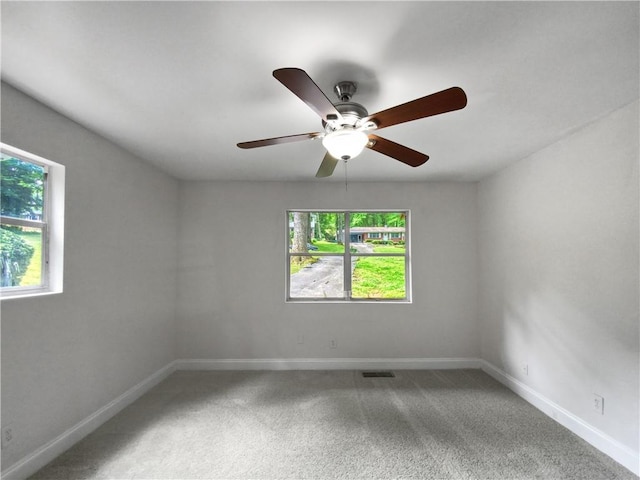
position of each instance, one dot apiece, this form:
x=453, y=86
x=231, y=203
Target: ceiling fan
x=347, y=125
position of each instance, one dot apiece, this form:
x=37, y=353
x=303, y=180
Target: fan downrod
x=345, y=90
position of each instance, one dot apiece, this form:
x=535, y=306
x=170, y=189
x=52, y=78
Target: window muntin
x=26, y=226
x=318, y=260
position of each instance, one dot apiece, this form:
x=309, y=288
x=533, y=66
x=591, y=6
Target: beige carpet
x=444, y=424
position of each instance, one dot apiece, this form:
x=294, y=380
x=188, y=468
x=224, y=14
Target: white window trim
x=347, y=260
x=52, y=224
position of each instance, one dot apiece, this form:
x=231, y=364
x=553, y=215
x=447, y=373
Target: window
x=348, y=256
x=31, y=223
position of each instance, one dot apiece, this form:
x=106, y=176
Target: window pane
x=316, y=232
x=316, y=277
x=378, y=277
x=21, y=256
x=378, y=228
x=21, y=188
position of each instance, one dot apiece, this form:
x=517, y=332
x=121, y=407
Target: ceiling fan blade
x=448, y=100
x=327, y=166
x=397, y=151
x=297, y=80
x=279, y=140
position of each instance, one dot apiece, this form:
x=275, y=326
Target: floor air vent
x=377, y=374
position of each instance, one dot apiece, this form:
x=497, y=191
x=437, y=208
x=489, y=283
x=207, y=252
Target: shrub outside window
x=25, y=224
x=345, y=256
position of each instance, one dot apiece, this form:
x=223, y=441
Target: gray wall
x=558, y=251
x=232, y=281
x=65, y=356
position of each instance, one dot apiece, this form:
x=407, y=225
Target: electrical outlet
x=598, y=403
x=300, y=339
x=334, y=343
x=525, y=369
x=7, y=436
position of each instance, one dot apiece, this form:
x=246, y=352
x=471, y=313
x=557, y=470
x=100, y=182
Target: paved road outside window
x=324, y=278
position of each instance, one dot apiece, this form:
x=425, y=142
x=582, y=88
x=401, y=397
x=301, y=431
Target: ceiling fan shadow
x=329, y=73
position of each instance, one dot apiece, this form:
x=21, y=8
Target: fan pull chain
x=346, y=183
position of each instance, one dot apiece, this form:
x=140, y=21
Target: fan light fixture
x=345, y=144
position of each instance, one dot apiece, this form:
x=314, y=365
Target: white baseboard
x=52, y=449
x=327, y=364
x=619, y=452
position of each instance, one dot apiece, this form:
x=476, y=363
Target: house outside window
x=31, y=223
x=348, y=256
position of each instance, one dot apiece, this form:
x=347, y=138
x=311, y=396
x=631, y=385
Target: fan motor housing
x=351, y=113
x=352, y=109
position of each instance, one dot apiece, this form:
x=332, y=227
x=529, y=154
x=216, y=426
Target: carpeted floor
x=442, y=424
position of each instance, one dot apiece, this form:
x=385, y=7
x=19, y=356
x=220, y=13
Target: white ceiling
x=180, y=83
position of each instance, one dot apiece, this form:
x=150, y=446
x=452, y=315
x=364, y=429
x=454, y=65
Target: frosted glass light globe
x=345, y=144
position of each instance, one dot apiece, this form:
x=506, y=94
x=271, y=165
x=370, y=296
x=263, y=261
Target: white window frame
x=52, y=225
x=346, y=255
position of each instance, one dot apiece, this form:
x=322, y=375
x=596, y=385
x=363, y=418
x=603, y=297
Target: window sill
x=349, y=302
x=27, y=294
